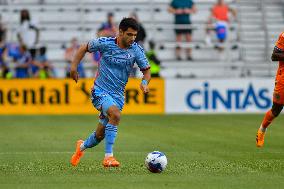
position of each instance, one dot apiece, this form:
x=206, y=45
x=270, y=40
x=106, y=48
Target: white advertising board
x=218, y=95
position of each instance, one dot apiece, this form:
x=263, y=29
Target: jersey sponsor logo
x=104, y=39
x=231, y=99
x=125, y=58
x=128, y=56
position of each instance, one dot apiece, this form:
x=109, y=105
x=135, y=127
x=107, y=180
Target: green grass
x=203, y=151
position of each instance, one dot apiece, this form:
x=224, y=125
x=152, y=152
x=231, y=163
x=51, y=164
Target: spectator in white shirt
x=28, y=31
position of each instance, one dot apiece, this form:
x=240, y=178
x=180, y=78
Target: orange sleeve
x=280, y=42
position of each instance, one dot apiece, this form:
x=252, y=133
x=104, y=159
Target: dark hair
x=110, y=14
x=152, y=44
x=42, y=50
x=128, y=23
x=24, y=47
x=25, y=15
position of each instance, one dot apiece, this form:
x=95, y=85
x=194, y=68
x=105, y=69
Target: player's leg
x=75, y=159
x=270, y=115
x=113, y=113
x=94, y=139
x=278, y=102
x=267, y=120
x=97, y=136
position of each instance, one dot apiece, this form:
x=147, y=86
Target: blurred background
x=231, y=39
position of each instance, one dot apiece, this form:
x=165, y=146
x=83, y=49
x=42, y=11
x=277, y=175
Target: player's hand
x=144, y=88
x=74, y=75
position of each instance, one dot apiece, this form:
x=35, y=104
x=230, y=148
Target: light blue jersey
x=116, y=63
x=114, y=70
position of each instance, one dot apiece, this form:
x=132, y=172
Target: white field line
x=71, y=152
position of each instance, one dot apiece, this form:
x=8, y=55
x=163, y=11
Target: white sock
x=262, y=129
x=82, y=147
x=108, y=154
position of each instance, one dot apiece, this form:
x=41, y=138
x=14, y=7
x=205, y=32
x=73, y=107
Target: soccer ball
x=156, y=162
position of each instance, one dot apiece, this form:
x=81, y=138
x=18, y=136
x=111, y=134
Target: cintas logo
x=208, y=98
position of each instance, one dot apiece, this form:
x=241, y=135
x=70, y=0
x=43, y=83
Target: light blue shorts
x=102, y=101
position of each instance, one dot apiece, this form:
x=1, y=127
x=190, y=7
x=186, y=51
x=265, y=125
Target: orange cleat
x=259, y=138
x=75, y=159
x=110, y=162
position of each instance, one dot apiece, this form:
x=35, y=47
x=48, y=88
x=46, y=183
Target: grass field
x=203, y=151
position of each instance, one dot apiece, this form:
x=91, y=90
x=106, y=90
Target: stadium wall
x=63, y=96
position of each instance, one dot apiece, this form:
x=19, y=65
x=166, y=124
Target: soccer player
x=278, y=95
x=118, y=57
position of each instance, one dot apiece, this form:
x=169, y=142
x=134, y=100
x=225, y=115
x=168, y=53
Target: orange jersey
x=280, y=42
x=280, y=45
x=220, y=12
x=278, y=94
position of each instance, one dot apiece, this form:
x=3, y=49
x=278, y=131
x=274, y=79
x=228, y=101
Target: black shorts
x=183, y=31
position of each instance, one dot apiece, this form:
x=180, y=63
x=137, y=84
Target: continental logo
x=35, y=95
x=132, y=95
x=56, y=96
x=61, y=95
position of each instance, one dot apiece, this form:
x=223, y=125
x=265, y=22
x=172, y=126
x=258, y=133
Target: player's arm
x=144, y=66
x=145, y=80
x=76, y=60
x=277, y=54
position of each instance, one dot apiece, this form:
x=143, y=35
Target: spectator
x=141, y=35
x=4, y=70
x=23, y=63
x=108, y=28
x=153, y=60
x=28, y=31
x=3, y=31
x=218, y=21
x=69, y=55
x=3, y=50
x=41, y=67
x=182, y=9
